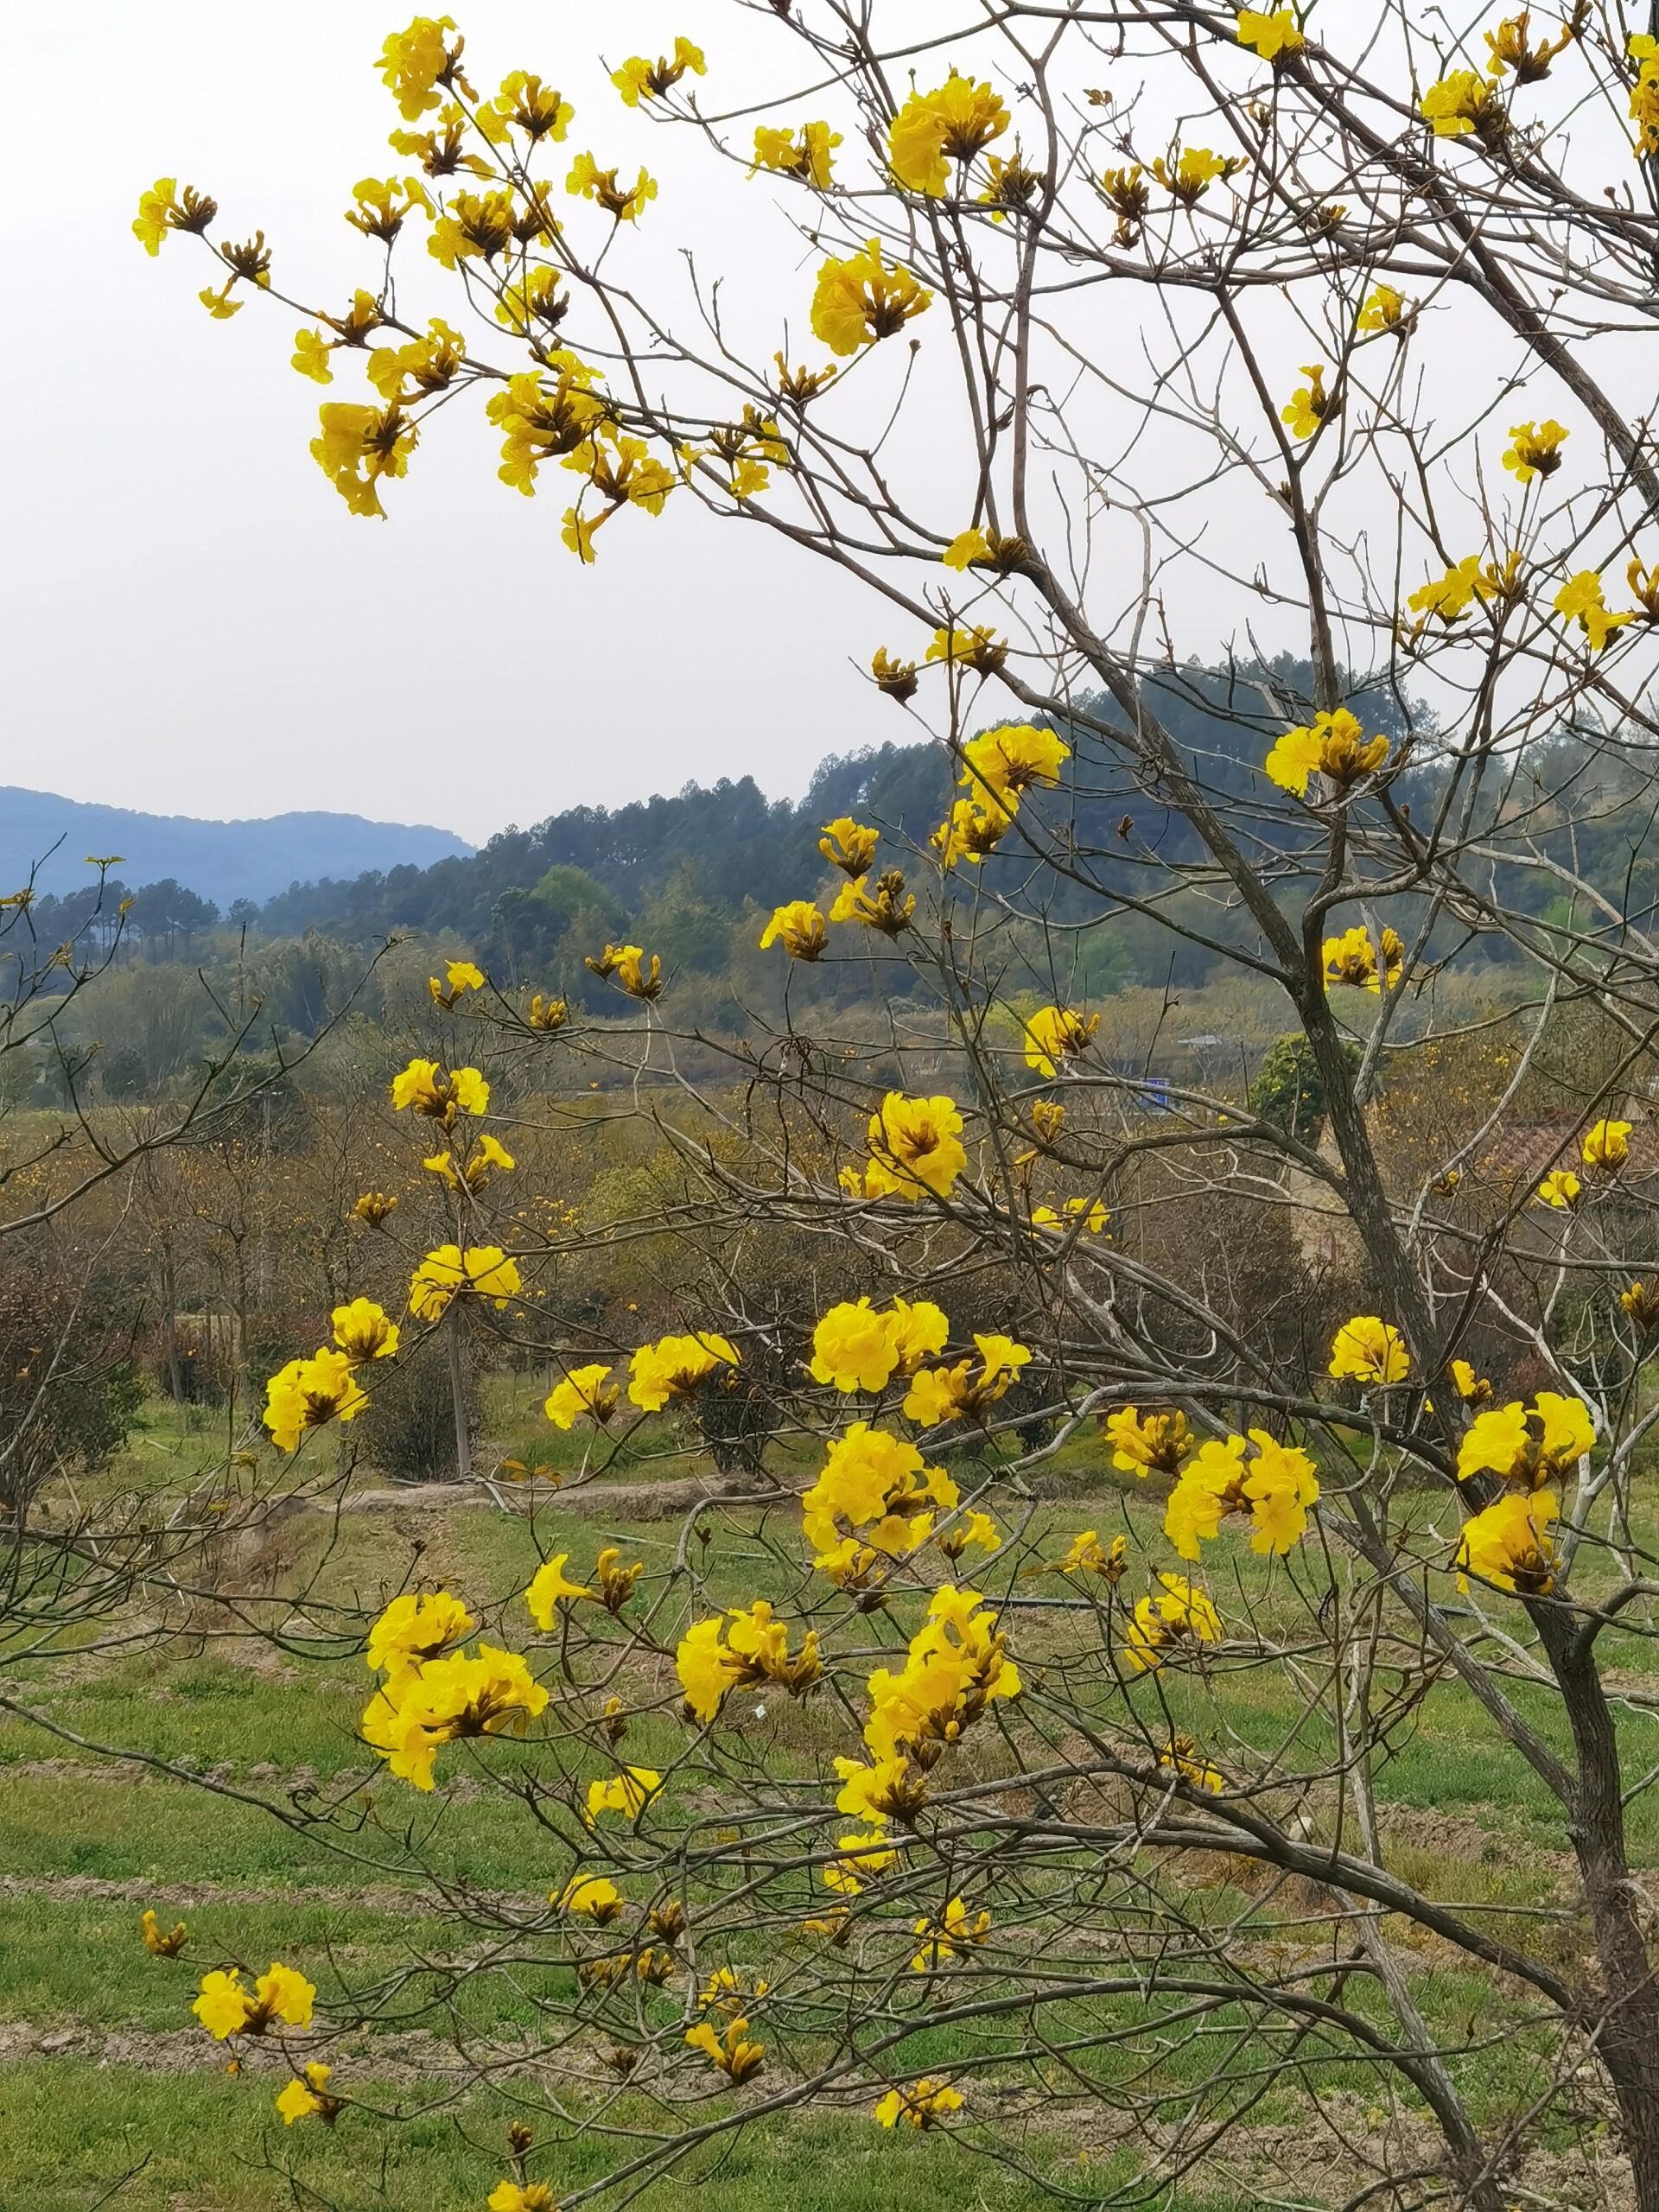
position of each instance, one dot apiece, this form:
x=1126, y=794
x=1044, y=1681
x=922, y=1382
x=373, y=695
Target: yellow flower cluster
x=869, y=1499
x=308, y=1393
x=955, y=1929
x=971, y=1387
x=955, y=1668
x=1351, y=958
x=953, y=123
x=426, y=1088
x=915, y=1148
x=1369, y=1350
x=999, y=767
x=856, y=1346
x=863, y=299
x=733, y=1650
x=585, y=1394
x=226, y=2008
x=926, y=2103
x=1054, y=1034
x=1531, y=1445
x=1333, y=745
x=1180, y=1617
x=1450, y=597
x=306, y=2097
x=448, y=1273
x=434, y=1693
x=807, y=154
x=1276, y=1488
x=676, y=1367
x=1146, y=1444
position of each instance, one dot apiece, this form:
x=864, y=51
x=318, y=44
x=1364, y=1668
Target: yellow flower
x=1640, y=1301
x=1270, y=31
x=590, y=1896
x=1055, y=1034
x=861, y=300
x=1561, y=1189
x=424, y=1087
x=628, y=1793
x=1309, y=403
x=1382, y=311
x=585, y=1394
x=1536, y=450
x=384, y=204
x=1182, y=1759
x=1276, y=1488
x=548, y=1587
x=1474, y=1389
x=546, y=1014
x=755, y=1650
x=810, y=157
x=1461, y=103
x=1144, y=1444
x=638, y=79
x=1089, y=1214
x=1509, y=1544
x=972, y=830
x=957, y=1929
x=1451, y=595
x=855, y=1347
x=413, y=63
x=976, y=1529
x=308, y=1393
x=1606, y=1146
x=730, y=2048
x=976, y=646
x=955, y=1667
x=522, y=2196
x=357, y=446
x=1087, y=1551
x=482, y=1271
x=1005, y=763
x=459, y=976
x=1580, y=598
x=1530, y=1446
x=163, y=1943
x=915, y=1147
x=1188, y=172
x=872, y=1485
x=1334, y=746
x=1367, y=1349
x=226, y=2008
x=1161, y=1623
x=676, y=1367
x=311, y=352
x=446, y=1700
x=1511, y=48
x=373, y=1208
x=1351, y=958
x=622, y=202
x=415, y=1628
x=165, y=208
x=926, y=2103
x=798, y=927
x=897, y=678
x=363, y=1332
x=306, y=2094
x=627, y=963
x=954, y=122
x=889, y=909
x=848, y=845
x=971, y=1387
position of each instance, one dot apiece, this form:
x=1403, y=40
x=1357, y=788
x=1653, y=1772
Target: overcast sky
x=193, y=623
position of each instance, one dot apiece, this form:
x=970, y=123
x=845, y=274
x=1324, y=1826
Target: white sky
x=193, y=622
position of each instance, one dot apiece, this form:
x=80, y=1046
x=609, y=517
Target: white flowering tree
x=1134, y=329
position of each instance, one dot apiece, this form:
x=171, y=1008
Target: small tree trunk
x=458, y=1395
x=1625, y=2015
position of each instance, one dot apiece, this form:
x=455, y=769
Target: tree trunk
x=458, y=1394
x=1625, y=2021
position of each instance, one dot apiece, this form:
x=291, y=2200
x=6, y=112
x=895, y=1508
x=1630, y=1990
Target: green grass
x=74, y=1961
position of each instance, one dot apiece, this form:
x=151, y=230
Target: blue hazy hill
x=220, y=860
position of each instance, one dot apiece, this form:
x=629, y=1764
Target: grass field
x=103, y=2063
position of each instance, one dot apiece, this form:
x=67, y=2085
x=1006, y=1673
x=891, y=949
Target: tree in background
x=1126, y=322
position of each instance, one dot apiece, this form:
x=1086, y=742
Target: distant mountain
x=220, y=860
